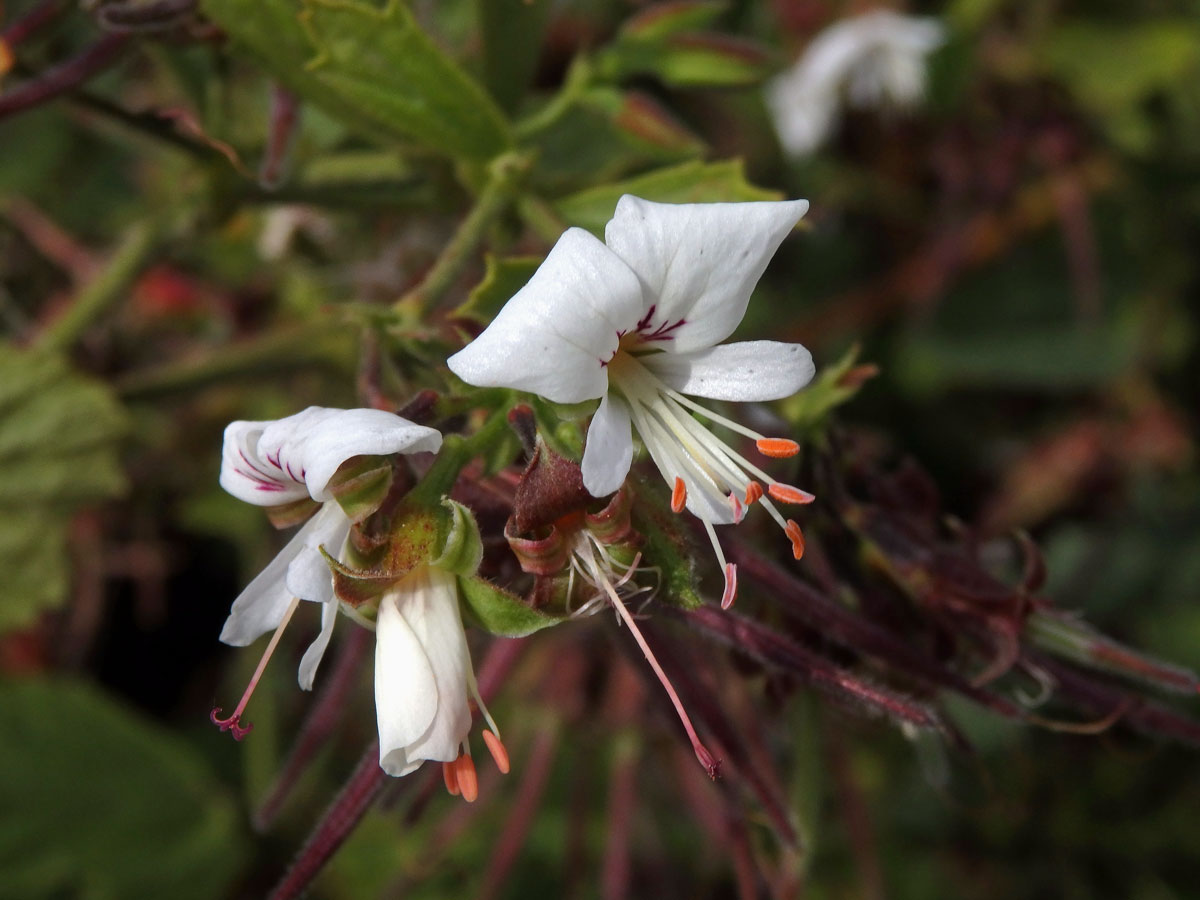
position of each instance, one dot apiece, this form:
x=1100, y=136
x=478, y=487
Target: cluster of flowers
x=634, y=321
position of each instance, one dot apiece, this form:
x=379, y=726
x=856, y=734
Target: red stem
x=65, y=76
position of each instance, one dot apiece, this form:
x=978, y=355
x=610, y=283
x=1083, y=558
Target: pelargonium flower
x=287, y=464
x=424, y=682
x=871, y=60
x=636, y=321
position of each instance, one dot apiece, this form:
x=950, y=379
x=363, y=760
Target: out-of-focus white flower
x=636, y=321
x=424, y=681
x=274, y=464
x=871, y=60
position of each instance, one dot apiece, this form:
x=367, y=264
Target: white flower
x=424, y=681
x=635, y=321
x=868, y=61
x=293, y=459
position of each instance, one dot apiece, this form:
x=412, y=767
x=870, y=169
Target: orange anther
x=498, y=750
x=777, y=448
x=797, y=538
x=468, y=781
x=730, y=586
x=6, y=57
x=450, y=776
x=678, y=495
x=739, y=511
x=785, y=493
x=754, y=491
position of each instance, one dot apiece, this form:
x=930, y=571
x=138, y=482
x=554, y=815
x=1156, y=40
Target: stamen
x=785, y=493
x=730, y=585
x=678, y=495
x=498, y=750
x=777, y=448
x=450, y=776
x=797, y=538
x=468, y=780
x=233, y=724
x=711, y=763
x=754, y=491
x=739, y=511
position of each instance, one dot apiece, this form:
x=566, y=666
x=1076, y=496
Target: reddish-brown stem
x=535, y=775
x=331, y=703
x=335, y=826
x=32, y=22
x=622, y=802
x=281, y=131
x=65, y=76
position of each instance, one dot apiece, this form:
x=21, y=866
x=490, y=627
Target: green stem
x=504, y=174
x=457, y=452
x=579, y=77
x=318, y=344
x=541, y=218
x=105, y=291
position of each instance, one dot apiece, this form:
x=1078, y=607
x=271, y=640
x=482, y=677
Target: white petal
x=248, y=476
x=747, y=370
x=698, y=262
x=803, y=118
x=308, y=575
x=556, y=333
x=431, y=609
x=406, y=696
x=311, y=445
x=608, y=452
x=316, y=650
x=260, y=607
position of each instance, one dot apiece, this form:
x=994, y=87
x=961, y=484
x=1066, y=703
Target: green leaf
x=502, y=613
x=372, y=68
x=58, y=451
x=105, y=805
x=502, y=278
x=512, y=42
x=689, y=182
x=463, y=547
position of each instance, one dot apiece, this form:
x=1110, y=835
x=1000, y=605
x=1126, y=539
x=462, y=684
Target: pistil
x=233, y=724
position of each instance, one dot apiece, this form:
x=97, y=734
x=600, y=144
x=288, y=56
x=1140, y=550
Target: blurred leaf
x=693, y=59
x=372, y=68
x=1049, y=358
x=690, y=182
x=503, y=278
x=512, y=42
x=1114, y=65
x=604, y=134
x=500, y=612
x=110, y=806
x=663, y=20
x=58, y=435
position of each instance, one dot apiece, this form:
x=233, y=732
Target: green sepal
x=361, y=484
x=378, y=562
x=833, y=386
x=288, y=515
x=667, y=548
x=463, y=547
x=500, y=612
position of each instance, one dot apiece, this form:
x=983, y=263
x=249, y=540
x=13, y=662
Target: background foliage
x=236, y=209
